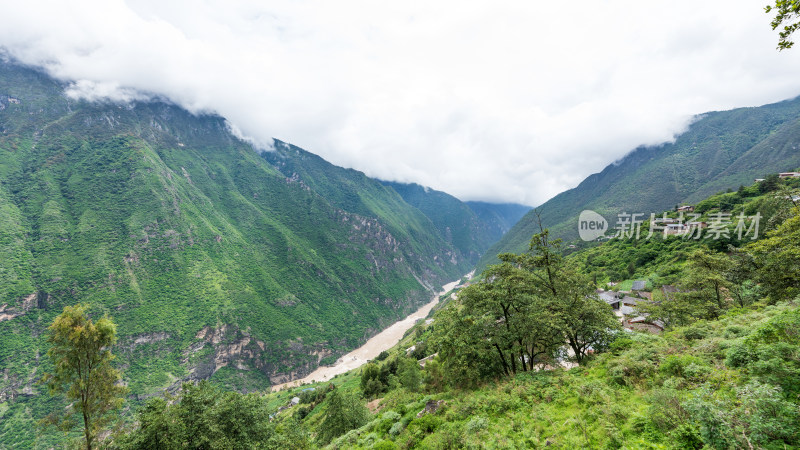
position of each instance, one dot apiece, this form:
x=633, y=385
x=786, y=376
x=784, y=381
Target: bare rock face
x=235, y=348
x=13, y=386
x=37, y=300
x=431, y=407
x=141, y=339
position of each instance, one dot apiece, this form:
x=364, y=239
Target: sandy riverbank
x=384, y=340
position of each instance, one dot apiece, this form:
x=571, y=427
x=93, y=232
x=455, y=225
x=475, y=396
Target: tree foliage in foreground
x=81, y=355
x=787, y=13
x=202, y=416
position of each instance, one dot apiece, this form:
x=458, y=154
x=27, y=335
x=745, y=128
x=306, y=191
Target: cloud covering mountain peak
x=485, y=101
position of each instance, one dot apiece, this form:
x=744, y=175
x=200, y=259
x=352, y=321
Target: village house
x=789, y=175
x=621, y=306
x=610, y=297
x=686, y=208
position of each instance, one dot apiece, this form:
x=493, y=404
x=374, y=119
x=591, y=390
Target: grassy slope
x=637, y=396
x=649, y=391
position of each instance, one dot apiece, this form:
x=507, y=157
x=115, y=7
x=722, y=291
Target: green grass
x=616, y=401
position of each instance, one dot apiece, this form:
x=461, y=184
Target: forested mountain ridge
x=470, y=226
x=213, y=262
x=499, y=217
x=720, y=150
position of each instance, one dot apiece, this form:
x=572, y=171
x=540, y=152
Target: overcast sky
x=500, y=101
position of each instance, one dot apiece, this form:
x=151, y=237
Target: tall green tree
x=777, y=260
x=524, y=313
x=516, y=321
x=585, y=322
x=81, y=355
x=371, y=384
x=409, y=374
x=710, y=283
x=345, y=412
x=202, y=416
x=464, y=350
x=704, y=284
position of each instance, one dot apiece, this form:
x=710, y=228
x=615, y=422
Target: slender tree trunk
x=502, y=359
x=513, y=363
x=86, y=432
x=573, y=342
x=522, y=351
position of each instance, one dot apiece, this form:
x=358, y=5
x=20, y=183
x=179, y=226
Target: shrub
x=687, y=436
x=772, y=419
x=665, y=410
x=697, y=331
x=427, y=423
x=686, y=366
x=384, y=445
x=396, y=429
x=627, y=371
x=347, y=440
x=391, y=416
x=619, y=345
x=476, y=424
x=387, y=421
x=713, y=418
x=735, y=331
x=739, y=355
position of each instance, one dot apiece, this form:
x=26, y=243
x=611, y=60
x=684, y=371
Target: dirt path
x=384, y=340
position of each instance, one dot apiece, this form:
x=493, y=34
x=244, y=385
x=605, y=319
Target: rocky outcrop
x=37, y=300
x=431, y=407
x=140, y=339
x=280, y=362
x=15, y=385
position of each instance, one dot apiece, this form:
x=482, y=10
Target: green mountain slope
x=499, y=217
x=213, y=262
x=455, y=220
x=720, y=150
x=351, y=190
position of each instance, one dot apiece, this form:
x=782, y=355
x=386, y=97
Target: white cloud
x=485, y=100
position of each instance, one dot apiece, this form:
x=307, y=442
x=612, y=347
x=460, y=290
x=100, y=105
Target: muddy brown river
x=384, y=340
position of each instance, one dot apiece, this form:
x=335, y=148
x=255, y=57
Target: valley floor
x=382, y=341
